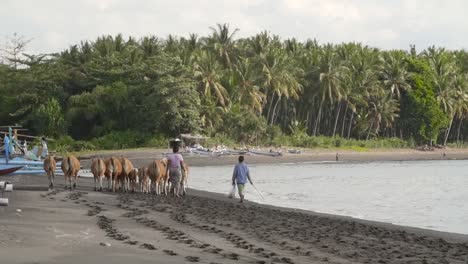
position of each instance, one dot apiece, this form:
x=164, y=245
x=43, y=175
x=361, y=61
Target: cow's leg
x=49, y=176
x=100, y=183
x=75, y=180
x=182, y=188
x=95, y=183
x=113, y=183
x=70, y=181
x=52, y=180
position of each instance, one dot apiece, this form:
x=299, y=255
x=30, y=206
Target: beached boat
x=8, y=169
x=265, y=153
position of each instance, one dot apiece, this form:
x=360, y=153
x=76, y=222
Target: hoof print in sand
x=131, y=242
x=170, y=252
x=192, y=259
x=232, y=256
x=148, y=246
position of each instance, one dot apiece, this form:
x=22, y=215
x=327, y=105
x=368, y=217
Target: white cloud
x=56, y=24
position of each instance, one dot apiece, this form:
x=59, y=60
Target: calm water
x=426, y=194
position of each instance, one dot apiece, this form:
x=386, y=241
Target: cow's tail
x=69, y=164
x=66, y=166
x=99, y=166
x=112, y=165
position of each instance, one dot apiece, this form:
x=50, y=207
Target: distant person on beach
x=175, y=163
x=240, y=176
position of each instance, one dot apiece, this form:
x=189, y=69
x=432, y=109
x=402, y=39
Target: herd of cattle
x=120, y=174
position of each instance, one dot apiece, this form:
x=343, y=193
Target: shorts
x=240, y=188
x=174, y=176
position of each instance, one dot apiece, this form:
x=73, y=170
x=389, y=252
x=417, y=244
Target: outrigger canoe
x=7, y=169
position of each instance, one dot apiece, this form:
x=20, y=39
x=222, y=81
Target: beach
x=62, y=226
x=142, y=157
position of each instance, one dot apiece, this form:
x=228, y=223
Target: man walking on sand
x=240, y=176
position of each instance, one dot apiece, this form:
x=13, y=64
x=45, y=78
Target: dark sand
x=145, y=156
x=65, y=226
x=69, y=226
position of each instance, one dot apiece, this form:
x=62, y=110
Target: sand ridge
x=62, y=226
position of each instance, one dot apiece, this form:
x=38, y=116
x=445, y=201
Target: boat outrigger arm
x=13, y=145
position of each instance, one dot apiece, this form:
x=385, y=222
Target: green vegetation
x=261, y=90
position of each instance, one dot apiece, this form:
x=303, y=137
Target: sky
x=54, y=25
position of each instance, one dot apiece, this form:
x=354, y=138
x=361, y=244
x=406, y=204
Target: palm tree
x=247, y=89
x=443, y=66
x=393, y=72
x=208, y=73
x=331, y=80
x=150, y=46
x=221, y=42
x=278, y=76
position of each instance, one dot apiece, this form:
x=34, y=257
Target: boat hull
x=9, y=169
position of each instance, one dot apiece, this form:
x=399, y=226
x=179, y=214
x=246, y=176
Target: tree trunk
x=318, y=118
x=370, y=129
x=269, y=108
x=350, y=124
x=458, y=130
x=336, y=118
x=447, y=133
x=274, y=110
x=344, y=120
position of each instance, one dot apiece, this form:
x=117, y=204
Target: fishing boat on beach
x=17, y=159
x=8, y=169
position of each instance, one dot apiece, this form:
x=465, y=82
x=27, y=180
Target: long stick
x=258, y=191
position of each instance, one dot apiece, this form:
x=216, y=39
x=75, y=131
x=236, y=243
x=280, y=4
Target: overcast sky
x=56, y=24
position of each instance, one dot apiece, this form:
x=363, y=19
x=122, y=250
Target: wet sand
x=144, y=156
x=63, y=226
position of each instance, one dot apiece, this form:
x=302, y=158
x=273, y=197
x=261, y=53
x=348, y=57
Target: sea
x=424, y=194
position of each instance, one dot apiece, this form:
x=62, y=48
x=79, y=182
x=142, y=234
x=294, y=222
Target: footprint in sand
x=131, y=242
x=148, y=246
x=170, y=252
x=192, y=259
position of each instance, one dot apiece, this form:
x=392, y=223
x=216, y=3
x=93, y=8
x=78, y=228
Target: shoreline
x=202, y=227
x=143, y=157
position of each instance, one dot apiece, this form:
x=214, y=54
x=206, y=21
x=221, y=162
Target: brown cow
x=164, y=182
x=113, y=170
x=70, y=167
x=156, y=173
x=98, y=168
x=127, y=167
x=144, y=179
x=133, y=179
x=49, y=167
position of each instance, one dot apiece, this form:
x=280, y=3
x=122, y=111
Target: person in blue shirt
x=240, y=176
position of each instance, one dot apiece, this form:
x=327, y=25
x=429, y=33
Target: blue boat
x=8, y=169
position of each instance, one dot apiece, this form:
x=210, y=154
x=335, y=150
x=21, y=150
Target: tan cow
x=98, y=168
x=164, y=182
x=133, y=179
x=49, y=166
x=157, y=173
x=113, y=170
x=144, y=179
x=70, y=167
x=127, y=167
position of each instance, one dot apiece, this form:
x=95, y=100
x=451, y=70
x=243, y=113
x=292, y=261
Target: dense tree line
x=248, y=89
